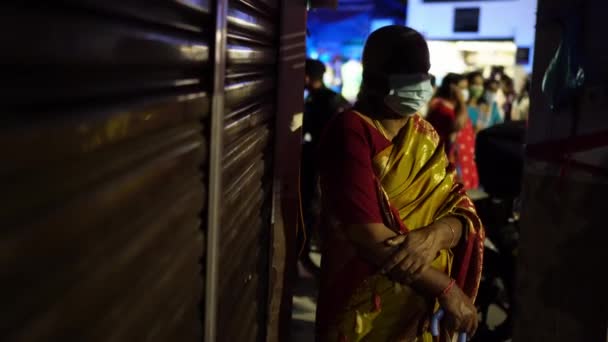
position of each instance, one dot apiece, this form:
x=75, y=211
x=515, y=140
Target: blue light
x=379, y=23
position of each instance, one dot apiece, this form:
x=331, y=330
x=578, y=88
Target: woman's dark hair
x=507, y=82
x=473, y=75
x=489, y=83
x=388, y=51
x=445, y=90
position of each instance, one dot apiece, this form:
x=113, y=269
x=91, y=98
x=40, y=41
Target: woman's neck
x=392, y=126
x=386, y=122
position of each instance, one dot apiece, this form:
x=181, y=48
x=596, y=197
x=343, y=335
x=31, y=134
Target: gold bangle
x=453, y=232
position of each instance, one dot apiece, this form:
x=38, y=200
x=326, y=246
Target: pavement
x=305, y=305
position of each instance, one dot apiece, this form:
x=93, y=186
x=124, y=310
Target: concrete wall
x=510, y=19
x=562, y=291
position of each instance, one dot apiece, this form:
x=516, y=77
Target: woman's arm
x=370, y=240
x=405, y=255
x=444, y=233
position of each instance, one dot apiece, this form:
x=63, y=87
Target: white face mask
x=490, y=97
x=406, y=97
x=465, y=94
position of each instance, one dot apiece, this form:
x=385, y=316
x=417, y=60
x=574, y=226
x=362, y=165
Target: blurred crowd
x=463, y=105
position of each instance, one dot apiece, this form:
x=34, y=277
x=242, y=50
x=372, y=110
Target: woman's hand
x=461, y=314
x=415, y=252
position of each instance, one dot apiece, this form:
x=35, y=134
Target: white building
x=502, y=26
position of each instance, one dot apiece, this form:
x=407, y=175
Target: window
x=523, y=55
x=466, y=19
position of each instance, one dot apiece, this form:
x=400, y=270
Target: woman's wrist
x=447, y=289
x=432, y=283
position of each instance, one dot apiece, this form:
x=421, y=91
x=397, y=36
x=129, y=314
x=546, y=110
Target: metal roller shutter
x=251, y=51
x=102, y=146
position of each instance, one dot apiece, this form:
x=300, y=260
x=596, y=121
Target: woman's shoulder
x=421, y=125
x=352, y=129
x=350, y=119
x=348, y=123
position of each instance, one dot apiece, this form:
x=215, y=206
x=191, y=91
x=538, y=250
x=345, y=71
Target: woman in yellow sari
x=400, y=238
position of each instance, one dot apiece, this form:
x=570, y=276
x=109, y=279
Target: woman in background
x=448, y=109
x=489, y=113
x=508, y=90
x=449, y=116
x=521, y=106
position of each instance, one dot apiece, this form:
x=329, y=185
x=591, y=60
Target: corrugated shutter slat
x=248, y=136
x=102, y=147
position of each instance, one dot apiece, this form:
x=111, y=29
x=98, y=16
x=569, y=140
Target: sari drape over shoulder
x=417, y=183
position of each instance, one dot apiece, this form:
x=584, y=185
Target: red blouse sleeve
x=347, y=176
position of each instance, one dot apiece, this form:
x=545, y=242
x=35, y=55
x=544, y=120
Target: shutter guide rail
x=216, y=152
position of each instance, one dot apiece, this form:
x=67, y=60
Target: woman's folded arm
x=370, y=240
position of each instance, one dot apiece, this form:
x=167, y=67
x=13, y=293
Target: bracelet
x=448, y=288
x=453, y=233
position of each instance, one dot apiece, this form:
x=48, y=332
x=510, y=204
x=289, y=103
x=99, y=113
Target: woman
x=399, y=235
x=488, y=113
x=508, y=90
x=449, y=116
x=448, y=109
x=477, y=102
x=521, y=106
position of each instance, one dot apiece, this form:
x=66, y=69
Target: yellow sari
x=414, y=177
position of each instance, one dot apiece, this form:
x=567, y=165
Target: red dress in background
x=461, y=151
x=462, y=154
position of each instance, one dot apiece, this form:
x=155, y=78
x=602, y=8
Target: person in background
x=448, y=109
x=508, y=90
x=399, y=235
x=319, y=107
x=336, y=65
x=497, y=73
x=321, y=104
x=489, y=113
x=476, y=88
x=521, y=106
x=459, y=130
x=462, y=152
x=477, y=104
x=329, y=77
x=351, y=79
